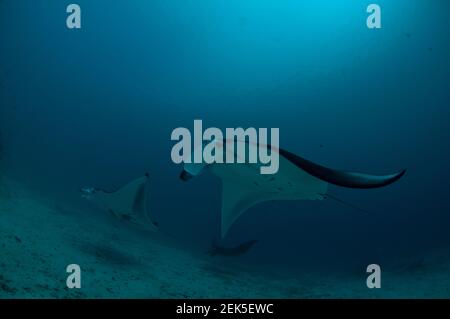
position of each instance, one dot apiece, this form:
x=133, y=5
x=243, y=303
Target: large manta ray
x=297, y=179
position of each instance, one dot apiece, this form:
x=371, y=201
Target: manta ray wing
x=342, y=178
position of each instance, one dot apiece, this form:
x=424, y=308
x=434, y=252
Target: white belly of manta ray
x=243, y=187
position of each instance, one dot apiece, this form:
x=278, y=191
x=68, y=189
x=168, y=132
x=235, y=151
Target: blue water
x=97, y=106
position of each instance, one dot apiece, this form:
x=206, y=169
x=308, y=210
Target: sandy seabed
x=38, y=239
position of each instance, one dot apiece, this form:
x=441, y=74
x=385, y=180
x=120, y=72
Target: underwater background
x=96, y=107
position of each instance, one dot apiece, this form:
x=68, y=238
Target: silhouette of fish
x=231, y=251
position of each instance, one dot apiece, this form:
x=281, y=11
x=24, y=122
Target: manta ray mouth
x=342, y=178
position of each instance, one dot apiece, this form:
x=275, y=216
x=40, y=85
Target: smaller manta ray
x=231, y=251
x=127, y=203
x=297, y=179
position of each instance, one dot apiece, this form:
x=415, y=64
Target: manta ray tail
x=342, y=178
x=337, y=199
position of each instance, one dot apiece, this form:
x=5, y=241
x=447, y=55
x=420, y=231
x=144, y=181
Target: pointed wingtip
x=398, y=175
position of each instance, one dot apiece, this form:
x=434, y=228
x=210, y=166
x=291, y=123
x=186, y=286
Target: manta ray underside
x=297, y=179
x=129, y=202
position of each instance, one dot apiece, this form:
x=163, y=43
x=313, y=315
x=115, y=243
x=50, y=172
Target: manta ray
x=297, y=179
x=234, y=251
x=129, y=202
